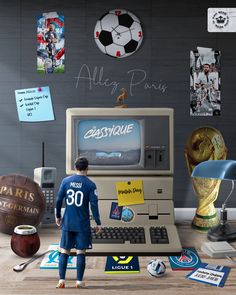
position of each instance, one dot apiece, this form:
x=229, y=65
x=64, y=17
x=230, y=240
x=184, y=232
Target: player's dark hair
x=81, y=163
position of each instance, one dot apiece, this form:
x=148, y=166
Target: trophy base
x=204, y=223
x=123, y=106
x=222, y=232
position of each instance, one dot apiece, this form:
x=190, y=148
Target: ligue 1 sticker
x=127, y=215
x=116, y=211
x=122, y=264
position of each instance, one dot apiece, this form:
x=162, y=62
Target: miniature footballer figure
x=51, y=39
x=78, y=191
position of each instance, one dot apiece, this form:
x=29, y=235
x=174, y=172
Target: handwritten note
x=135, y=77
x=34, y=104
x=130, y=192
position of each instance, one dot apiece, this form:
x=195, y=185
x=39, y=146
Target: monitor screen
x=137, y=141
x=110, y=141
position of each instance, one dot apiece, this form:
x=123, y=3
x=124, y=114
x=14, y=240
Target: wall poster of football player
x=50, y=43
x=205, y=92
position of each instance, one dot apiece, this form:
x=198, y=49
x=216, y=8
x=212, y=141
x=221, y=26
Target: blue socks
x=63, y=258
x=80, y=266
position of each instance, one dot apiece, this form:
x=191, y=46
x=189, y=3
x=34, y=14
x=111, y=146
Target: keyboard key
x=159, y=235
x=108, y=241
x=118, y=235
x=163, y=241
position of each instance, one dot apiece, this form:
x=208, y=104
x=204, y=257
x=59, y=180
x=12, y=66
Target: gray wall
x=171, y=29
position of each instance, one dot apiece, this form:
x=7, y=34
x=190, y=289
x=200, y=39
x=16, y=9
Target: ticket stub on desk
x=214, y=275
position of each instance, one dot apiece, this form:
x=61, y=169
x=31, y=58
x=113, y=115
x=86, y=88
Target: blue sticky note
x=34, y=104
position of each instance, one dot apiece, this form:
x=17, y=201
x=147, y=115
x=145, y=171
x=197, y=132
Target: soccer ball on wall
x=118, y=33
x=156, y=268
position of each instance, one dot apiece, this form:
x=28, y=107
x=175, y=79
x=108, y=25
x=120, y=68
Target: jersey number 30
x=72, y=198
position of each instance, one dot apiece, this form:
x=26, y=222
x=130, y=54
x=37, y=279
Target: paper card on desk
x=214, y=275
x=51, y=260
x=188, y=260
x=34, y=104
x=130, y=192
x=122, y=264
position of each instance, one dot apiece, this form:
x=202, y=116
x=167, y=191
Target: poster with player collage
x=205, y=88
x=50, y=43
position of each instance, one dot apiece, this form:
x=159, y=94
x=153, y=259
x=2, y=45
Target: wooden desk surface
x=37, y=281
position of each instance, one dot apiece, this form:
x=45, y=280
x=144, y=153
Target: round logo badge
x=220, y=19
x=188, y=259
x=127, y=215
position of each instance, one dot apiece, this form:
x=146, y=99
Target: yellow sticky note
x=129, y=192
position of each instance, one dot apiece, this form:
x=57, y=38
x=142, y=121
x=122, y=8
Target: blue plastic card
x=214, y=275
x=34, y=104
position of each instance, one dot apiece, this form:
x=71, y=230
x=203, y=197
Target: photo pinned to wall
x=205, y=84
x=50, y=43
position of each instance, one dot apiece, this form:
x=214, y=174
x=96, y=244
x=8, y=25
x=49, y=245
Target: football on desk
x=122, y=145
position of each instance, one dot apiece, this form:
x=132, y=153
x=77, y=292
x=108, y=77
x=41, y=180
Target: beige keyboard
x=141, y=240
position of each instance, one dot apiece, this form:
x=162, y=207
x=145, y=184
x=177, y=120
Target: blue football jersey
x=78, y=191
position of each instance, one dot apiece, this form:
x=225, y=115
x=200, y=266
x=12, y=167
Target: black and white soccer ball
x=118, y=33
x=156, y=268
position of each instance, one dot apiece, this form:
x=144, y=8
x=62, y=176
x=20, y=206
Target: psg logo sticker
x=188, y=260
x=116, y=211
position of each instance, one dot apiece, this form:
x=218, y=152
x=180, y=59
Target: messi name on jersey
x=76, y=184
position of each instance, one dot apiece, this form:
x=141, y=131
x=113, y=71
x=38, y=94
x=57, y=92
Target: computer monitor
x=131, y=141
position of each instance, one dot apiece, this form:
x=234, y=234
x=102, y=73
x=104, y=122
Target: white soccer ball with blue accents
x=156, y=268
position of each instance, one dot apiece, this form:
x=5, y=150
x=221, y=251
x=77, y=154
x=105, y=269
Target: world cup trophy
x=121, y=98
x=205, y=143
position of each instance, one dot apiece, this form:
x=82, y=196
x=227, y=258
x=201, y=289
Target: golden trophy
x=205, y=143
x=121, y=98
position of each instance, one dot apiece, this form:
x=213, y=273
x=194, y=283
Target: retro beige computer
x=125, y=145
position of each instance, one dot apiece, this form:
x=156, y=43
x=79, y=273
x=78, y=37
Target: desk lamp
x=223, y=170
